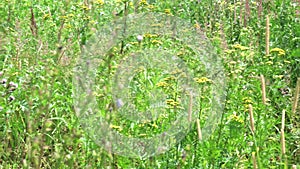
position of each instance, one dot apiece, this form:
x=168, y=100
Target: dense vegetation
x=257, y=42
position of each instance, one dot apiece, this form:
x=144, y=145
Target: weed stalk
x=296, y=97
x=199, y=130
x=251, y=119
x=263, y=89
x=254, y=160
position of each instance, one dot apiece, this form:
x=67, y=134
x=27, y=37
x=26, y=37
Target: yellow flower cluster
x=172, y=102
x=100, y=2
x=236, y=118
x=84, y=7
x=150, y=6
x=238, y=46
x=202, y=80
x=247, y=100
x=149, y=35
x=143, y=2
x=229, y=51
x=116, y=127
x=169, y=78
x=162, y=84
x=168, y=11
x=278, y=76
x=156, y=42
x=280, y=51
x=46, y=16
x=269, y=63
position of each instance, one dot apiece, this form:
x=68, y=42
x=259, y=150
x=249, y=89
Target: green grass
x=41, y=43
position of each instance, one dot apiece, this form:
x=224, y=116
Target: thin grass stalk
x=241, y=15
x=296, y=97
x=199, y=130
x=33, y=26
x=263, y=89
x=251, y=119
x=283, y=120
x=283, y=149
x=247, y=12
x=282, y=140
x=254, y=160
x=267, y=35
x=259, y=8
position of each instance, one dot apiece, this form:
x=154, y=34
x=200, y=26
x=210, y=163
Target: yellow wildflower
x=143, y=2
x=149, y=35
x=169, y=78
x=172, y=102
x=168, y=11
x=247, y=100
x=180, y=53
x=150, y=6
x=131, y=4
x=154, y=125
x=238, y=46
x=162, y=84
x=278, y=76
x=84, y=7
x=156, y=42
x=236, y=118
x=202, y=80
x=197, y=26
x=100, y=2
x=229, y=51
x=68, y=26
x=116, y=127
x=280, y=51
x=269, y=63
x=46, y=16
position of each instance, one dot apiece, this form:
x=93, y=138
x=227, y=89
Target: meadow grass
x=258, y=42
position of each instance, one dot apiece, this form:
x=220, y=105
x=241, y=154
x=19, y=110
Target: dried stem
x=263, y=89
x=247, y=12
x=241, y=15
x=199, y=130
x=283, y=120
x=259, y=8
x=282, y=142
x=296, y=97
x=33, y=27
x=254, y=160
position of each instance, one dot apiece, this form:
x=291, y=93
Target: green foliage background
x=41, y=41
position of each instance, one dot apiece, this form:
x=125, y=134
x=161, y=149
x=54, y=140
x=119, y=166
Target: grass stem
x=296, y=97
